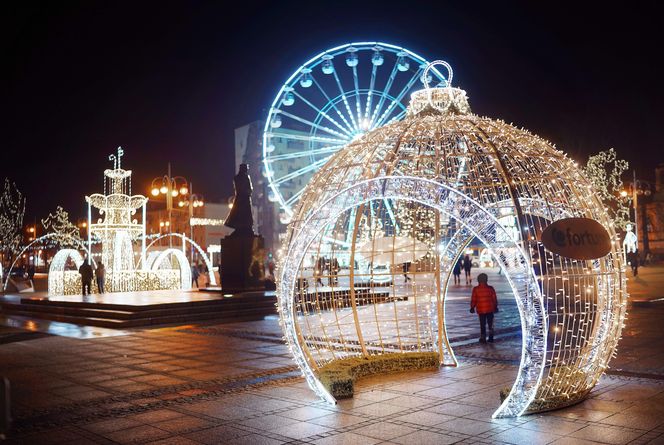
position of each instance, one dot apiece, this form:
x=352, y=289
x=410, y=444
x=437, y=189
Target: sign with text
x=577, y=238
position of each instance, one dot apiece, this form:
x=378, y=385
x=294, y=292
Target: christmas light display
x=117, y=232
x=372, y=243
x=206, y=222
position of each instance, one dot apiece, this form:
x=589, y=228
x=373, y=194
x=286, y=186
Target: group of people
x=331, y=267
x=465, y=264
x=87, y=274
x=198, y=270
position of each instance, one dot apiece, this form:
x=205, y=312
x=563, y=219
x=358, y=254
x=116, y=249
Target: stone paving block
x=347, y=438
x=467, y=426
x=520, y=436
x=338, y=420
x=183, y=424
x=217, y=435
x=270, y=422
x=425, y=438
x=300, y=430
x=425, y=418
x=550, y=424
x=606, y=434
x=384, y=430
x=137, y=434
x=306, y=413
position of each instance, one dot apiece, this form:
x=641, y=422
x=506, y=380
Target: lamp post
x=170, y=187
x=191, y=201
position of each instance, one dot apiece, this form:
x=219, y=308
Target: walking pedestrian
x=485, y=303
x=86, y=277
x=406, y=268
x=467, y=265
x=195, y=273
x=100, y=275
x=456, y=271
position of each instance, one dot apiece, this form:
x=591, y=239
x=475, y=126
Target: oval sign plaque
x=577, y=238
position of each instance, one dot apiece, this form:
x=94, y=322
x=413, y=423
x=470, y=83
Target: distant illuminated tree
x=605, y=170
x=12, y=211
x=64, y=232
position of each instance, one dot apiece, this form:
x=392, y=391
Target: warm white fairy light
x=440, y=178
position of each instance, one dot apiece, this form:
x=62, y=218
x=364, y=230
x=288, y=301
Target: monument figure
x=240, y=217
x=241, y=267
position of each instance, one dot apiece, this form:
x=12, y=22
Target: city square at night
x=331, y=223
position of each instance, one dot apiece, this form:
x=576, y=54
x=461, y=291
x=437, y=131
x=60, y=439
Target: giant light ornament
x=329, y=101
x=440, y=178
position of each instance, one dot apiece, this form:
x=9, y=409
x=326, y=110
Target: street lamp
x=169, y=187
x=192, y=201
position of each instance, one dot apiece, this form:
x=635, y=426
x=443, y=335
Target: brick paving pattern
x=236, y=384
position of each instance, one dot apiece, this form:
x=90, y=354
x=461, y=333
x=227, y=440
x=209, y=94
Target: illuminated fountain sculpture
x=117, y=231
x=370, y=248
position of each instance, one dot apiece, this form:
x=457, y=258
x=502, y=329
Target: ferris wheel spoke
x=300, y=171
x=384, y=95
x=323, y=113
x=370, y=94
x=334, y=105
x=400, y=96
x=358, y=105
x=301, y=154
x=312, y=124
x=345, y=100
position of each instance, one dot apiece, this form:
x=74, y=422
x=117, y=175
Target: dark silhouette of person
x=240, y=217
x=86, y=277
x=100, y=275
x=318, y=271
x=456, y=271
x=334, y=272
x=467, y=265
x=406, y=268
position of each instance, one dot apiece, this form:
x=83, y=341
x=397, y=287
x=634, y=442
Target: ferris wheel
x=331, y=100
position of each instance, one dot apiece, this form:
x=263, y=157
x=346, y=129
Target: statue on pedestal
x=242, y=251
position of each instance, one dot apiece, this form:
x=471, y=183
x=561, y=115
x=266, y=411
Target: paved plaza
x=235, y=383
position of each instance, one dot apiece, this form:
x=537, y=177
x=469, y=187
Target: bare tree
x=12, y=211
x=605, y=170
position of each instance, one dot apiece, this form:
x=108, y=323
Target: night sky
x=170, y=81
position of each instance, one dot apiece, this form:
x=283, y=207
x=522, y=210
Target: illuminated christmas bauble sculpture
x=378, y=229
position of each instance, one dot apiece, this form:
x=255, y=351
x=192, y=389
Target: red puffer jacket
x=484, y=299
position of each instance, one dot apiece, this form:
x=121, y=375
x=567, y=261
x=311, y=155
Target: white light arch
x=40, y=239
x=482, y=225
x=183, y=263
x=56, y=272
x=208, y=264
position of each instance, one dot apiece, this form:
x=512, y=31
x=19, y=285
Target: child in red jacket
x=485, y=302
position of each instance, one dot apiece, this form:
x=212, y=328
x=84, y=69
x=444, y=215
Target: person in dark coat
x=318, y=270
x=406, y=268
x=485, y=302
x=195, y=273
x=100, y=276
x=456, y=271
x=86, y=277
x=467, y=265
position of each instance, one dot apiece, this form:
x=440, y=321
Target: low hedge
x=338, y=376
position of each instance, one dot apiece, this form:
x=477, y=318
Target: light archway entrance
x=473, y=221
